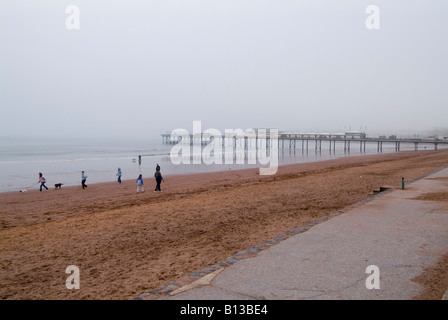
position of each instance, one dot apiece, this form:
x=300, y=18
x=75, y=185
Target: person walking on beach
x=42, y=182
x=159, y=179
x=83, y=179
x=119, y=175
x=140, y=183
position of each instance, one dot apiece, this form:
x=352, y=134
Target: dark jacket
x=158, y=176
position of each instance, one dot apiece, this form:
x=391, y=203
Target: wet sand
x=126, y=244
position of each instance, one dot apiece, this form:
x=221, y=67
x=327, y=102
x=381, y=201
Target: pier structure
x=292, y=141
x=350, y=138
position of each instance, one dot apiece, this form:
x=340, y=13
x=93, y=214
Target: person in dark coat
x=159, y=179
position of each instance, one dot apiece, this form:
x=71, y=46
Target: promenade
x=395, y=235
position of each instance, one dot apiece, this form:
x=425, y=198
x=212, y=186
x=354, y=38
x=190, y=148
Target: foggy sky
x=137, y=68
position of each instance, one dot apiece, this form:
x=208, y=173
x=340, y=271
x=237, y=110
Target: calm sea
x=61, y=161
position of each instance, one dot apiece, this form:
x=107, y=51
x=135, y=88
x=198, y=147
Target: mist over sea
x=62, y=160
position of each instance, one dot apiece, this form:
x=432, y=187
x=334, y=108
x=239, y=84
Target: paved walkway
x=395, y=232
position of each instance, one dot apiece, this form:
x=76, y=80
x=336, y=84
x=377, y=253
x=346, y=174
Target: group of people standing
x=157, y=175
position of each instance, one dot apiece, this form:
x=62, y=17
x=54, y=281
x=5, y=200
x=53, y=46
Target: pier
x=304, y=141
x=291, y=143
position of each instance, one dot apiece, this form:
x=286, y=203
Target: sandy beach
x=126, y=244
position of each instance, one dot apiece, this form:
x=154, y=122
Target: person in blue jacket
x=83, y=179
x=140, y=184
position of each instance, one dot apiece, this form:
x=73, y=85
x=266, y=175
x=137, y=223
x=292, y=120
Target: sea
x=62, y=160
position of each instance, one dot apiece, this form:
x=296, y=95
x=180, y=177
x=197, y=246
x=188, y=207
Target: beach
x=127, y=243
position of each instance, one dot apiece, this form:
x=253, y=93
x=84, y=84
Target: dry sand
x=126, y=244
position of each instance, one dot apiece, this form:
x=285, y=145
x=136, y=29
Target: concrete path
x=395, y=234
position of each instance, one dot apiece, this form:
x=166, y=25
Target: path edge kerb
x=165, y=290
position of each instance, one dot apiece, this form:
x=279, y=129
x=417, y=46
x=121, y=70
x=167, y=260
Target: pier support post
x=317, y=144
x=380, y=146
x=347, y=145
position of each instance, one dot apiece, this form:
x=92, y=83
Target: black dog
x=58, y=185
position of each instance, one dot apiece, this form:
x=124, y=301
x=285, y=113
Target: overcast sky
x=137, y=68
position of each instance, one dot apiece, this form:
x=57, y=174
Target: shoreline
x=127, y=244
x=47, y=205
x=107, y=172
x=218, y=172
